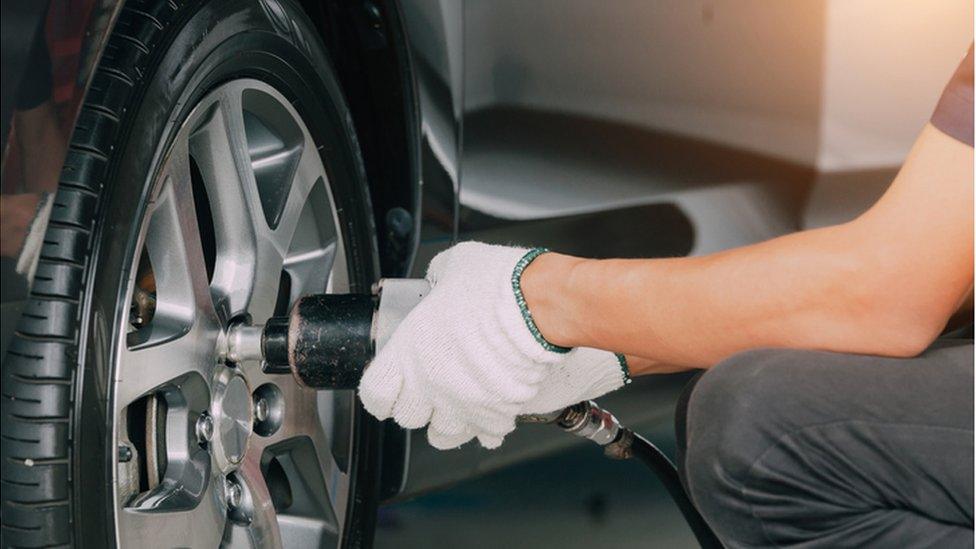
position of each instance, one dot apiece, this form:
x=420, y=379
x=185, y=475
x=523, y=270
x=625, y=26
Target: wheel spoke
x=181, y=223
x=273, y=244
x=202, y=526
x=175, y=250
x=218, y=146
x=310, y=262
x=302, y=421
x=180, y=336
x=336, y=481
x=245, y=240
x=263, y=528
x=146, y=366
x=308, y=173
x=310, y=270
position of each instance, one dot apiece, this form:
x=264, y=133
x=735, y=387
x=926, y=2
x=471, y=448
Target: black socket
x=274, y=345
x=333, y=340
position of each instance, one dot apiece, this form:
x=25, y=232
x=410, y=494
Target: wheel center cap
x=232, y=411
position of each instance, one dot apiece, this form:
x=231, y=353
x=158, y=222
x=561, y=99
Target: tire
x=59, y=445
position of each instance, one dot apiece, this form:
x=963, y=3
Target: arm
x=883, y=284
x=505, y=332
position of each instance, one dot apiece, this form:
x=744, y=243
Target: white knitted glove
x=586, y=374
x=468, y=358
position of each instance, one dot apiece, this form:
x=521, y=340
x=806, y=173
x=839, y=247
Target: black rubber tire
x=163, y=56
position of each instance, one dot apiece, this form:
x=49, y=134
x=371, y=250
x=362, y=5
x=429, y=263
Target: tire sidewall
x=210, y=43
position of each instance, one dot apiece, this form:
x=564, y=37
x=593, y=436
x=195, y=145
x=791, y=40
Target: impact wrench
x=328, y=340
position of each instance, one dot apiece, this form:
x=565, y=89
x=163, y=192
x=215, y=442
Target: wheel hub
x=233, y=418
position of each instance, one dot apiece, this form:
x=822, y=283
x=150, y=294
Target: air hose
x=665, y=470
x=588, y=420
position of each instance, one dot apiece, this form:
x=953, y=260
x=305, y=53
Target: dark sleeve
x=954, y=113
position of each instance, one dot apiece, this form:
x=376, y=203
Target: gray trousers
x=815, y=449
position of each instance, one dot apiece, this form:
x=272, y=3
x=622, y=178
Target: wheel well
x=367, y=45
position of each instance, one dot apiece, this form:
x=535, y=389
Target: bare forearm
x=883, y=284
x=695, y=311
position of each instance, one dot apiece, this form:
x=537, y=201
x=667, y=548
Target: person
x=830, y=413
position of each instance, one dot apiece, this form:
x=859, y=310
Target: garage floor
x=575, y=499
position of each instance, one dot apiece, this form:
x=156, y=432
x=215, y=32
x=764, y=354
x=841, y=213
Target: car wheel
x=213, y=177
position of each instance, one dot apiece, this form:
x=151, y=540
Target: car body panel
x=434, y=29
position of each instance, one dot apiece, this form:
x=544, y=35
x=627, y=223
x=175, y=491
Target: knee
x=734, y=405
x=735, y=412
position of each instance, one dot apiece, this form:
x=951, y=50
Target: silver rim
x=213, y=453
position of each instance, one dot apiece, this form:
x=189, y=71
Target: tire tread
x=40, y=368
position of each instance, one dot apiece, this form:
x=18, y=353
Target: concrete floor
x=575, y=499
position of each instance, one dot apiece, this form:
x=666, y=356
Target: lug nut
x=204, y=428
x=262, y=409
x=268, y=409
x=235, y=494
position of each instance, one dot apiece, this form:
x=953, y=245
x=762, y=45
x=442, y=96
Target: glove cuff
x=520, y=267
x=624, y=367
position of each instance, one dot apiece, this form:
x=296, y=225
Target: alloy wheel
x=240, y=223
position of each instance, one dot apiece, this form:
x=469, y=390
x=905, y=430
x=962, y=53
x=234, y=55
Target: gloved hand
x=468, y=358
